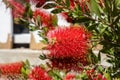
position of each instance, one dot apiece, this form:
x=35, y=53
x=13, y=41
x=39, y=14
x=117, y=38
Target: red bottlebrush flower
x=95, y=79
x=17, y=9
x=39, y=74
x=45, y=17
x=101, y=77
x=69, y=77
x=72, y=5
x=68, y=46
x=11, y=68
x=68, y=42
x=104, y=78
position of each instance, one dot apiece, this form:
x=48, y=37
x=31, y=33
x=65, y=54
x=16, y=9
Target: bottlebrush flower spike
x=45, y=17
x=39, y=74
x=17, y=8
x=68, y=42
x=68, y=46
x=11, y=68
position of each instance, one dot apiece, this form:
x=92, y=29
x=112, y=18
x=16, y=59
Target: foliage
x=100, y=17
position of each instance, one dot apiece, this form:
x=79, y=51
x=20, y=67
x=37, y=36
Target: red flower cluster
x=92, y=75
x=17, y=8
x=11, y=68
x=45, y=17
x=39, y=74
x=69, y=77
x=99, y=77
x=68, y=46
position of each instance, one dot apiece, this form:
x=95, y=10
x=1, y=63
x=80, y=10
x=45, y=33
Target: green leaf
x=55, y=20
x=94, y=7
x=43, y=66
x=49, y=5
x=56, y=11
x=27, y=64
x=44, y=41
x=42, y=57
x=67, y=3
x=100, y=68
x=28, y=11
x=92, y=58
x=25, y=69
x=102, y=29
x=81, y=19
x=55, y=74
x=84, y=76
x=99, y=56
x=38, y=20
x=92, y=27
x=107, y=6
x=117, y=3
x=32, y=28
x=107, y=75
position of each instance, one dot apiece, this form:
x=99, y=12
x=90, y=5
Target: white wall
x=5, y=22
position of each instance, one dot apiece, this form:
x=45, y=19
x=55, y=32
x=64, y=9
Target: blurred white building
x=5, y=22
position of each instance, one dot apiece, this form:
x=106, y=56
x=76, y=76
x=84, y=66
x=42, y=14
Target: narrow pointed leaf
x=68, y=3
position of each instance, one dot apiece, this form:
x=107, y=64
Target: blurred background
x=16, y=35
x=17, y=43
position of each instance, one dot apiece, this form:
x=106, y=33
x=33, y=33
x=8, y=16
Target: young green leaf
x=95, y=8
